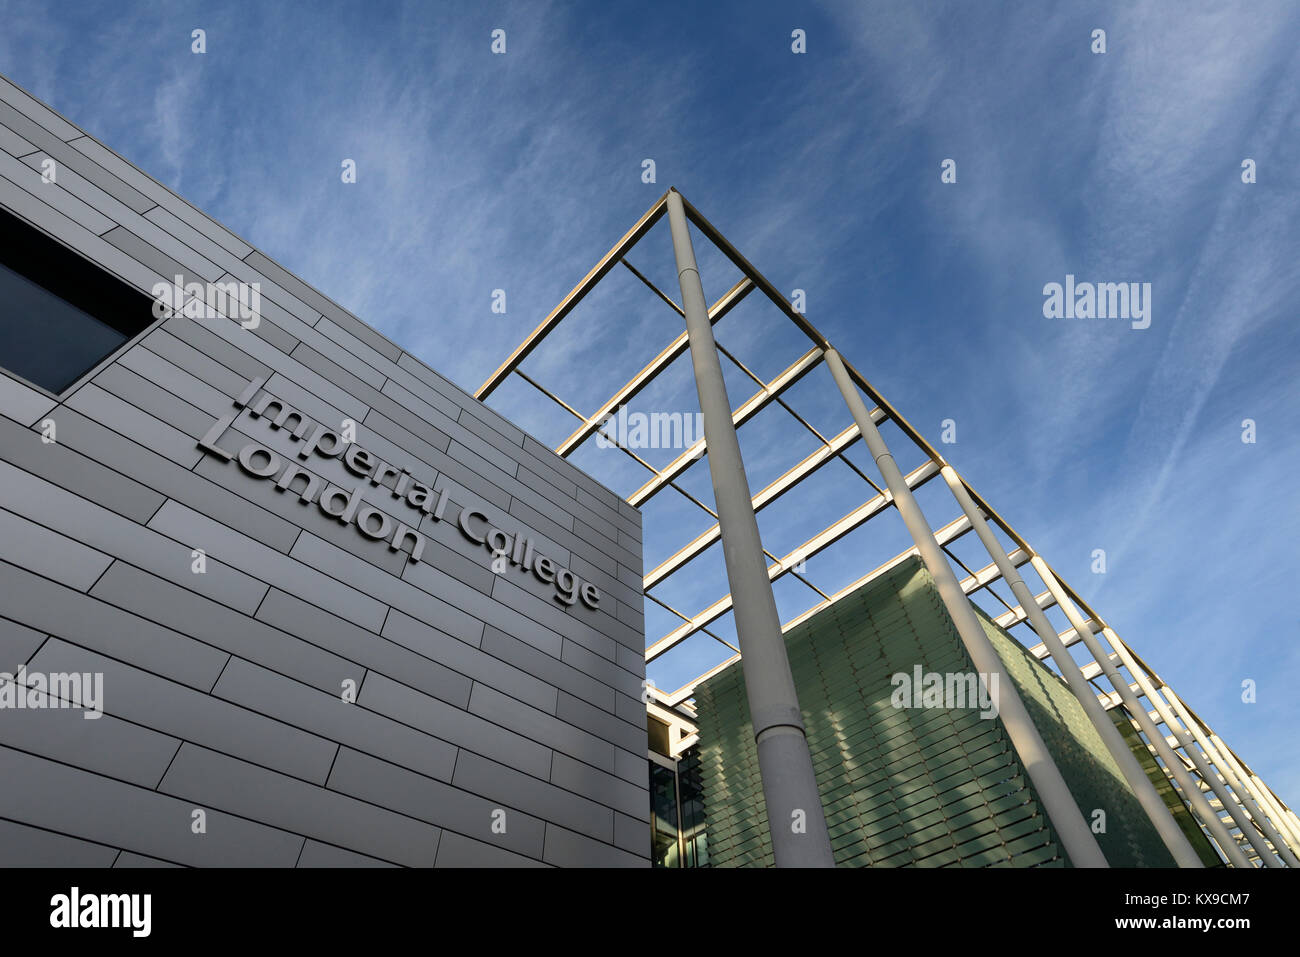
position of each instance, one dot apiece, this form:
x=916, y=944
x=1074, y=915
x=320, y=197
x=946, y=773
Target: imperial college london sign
x=350, y=508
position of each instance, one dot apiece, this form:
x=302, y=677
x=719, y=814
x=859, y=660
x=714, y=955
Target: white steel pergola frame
x=1245, y=821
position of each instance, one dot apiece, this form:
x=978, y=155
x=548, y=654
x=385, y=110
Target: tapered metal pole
x=794, y=809
x=1156, y=810
x=1063, y=811
x=1262, y=795
x=1228, y=775
x=1199, y=802
x=1282, y=820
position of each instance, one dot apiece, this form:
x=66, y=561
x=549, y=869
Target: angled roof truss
x=1172, y=732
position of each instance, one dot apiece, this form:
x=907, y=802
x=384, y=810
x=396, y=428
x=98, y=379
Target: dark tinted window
x=59, y=314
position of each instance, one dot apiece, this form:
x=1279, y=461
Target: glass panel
x=60, y=314
x=45, y=339
x=693, y=818
x=663, y=817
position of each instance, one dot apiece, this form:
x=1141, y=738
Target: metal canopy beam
x=658, y=364
x=829, y=536
x=743, y=413
x=762, y=499
x=1201, y=768
x=575, y=296
x=746, y=267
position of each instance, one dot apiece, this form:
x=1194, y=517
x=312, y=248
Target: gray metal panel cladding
x=324, y=698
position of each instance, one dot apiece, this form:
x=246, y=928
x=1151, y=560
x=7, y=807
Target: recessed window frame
x=68, y=274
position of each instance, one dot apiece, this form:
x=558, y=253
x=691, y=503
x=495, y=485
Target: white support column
x=1285, y=820
x=1139, y=713
x=1262, y=826
x=1156, y=810
x=1291, y=815
x=796, y=820
x=1234, y=780
x=1264, y=799
x=1063, y=811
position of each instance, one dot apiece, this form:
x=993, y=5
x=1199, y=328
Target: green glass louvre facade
x=926, y=787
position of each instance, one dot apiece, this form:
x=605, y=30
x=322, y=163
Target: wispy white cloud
x=517, y=172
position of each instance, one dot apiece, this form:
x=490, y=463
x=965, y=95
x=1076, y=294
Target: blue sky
x=478, y=172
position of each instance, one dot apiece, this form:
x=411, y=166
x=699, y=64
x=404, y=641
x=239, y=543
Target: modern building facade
x=776, y=746
x=905, y=782
x=272, y=591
